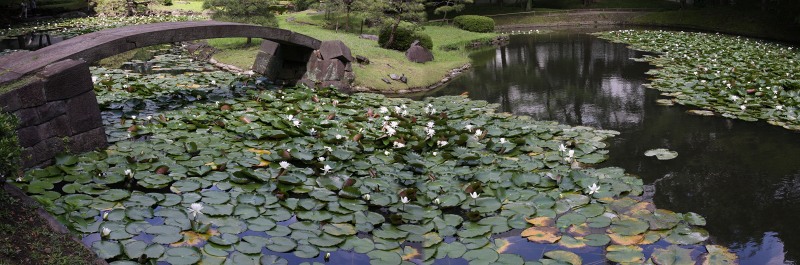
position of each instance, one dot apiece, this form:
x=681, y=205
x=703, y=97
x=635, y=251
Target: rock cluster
x=331, y=65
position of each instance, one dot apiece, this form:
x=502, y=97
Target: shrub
x=474, y=23
x=403, y=37
x=167, y=2
x=9, y=147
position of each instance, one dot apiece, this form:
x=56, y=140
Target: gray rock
x=394, y=76
x=386, y=81
x=404, y=79
x=419, y=54
x=369, y=37
x=362, y=60
x=335, y=49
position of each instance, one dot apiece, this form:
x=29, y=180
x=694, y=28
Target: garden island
x=399, y=132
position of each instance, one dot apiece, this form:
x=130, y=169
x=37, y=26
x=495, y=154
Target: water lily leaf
x=272, y=260
x=473, y=229
x=359, y=245
x=626, y=240
x=341, y=229
x=544, y=235
x=661, y=153
x=628, y=226
x=307, y=251
x=139, y=213
x=572, y=242
x=326, y=241
x=597, y=240
x=541, y=221
x=390, y=232
x=570, y=219
x=564, y=256
x=260, y=224
x=114, y=195
x=106, y=249
x=624, y=254
x=510, y=259
x=599, y=221
x=281, y=244
x=384, y=257
x=481, y=256
x=719, y=255
x=687, y=236
x=452, y=250
x=694, y=219
x=224, y=239
x=165, y=234
x=673, y=255
x=182, y=255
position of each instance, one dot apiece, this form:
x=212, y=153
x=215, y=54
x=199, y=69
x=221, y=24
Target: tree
x=447, y=6
x=397, y=10
x=243, y=11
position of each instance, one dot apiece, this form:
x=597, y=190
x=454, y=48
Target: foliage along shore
x=733, y=77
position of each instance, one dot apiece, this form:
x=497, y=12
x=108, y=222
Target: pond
x=742, y=176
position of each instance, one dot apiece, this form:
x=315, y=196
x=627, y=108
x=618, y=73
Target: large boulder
x=418, y=54
x=335, y=49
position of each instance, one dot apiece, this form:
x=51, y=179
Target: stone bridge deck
x=98, y=45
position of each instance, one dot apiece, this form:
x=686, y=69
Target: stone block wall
x=331, y=65
x=57, y=111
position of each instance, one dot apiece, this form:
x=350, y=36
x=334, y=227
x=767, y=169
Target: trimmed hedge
x=403, y=38
x=474, y=23
x=9, y=146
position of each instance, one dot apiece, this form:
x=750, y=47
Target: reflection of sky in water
x=743, y=177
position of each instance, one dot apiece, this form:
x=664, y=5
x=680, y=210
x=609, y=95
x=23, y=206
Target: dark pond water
x=744, y=177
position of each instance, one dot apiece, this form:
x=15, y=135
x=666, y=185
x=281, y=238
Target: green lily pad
x=661, y=154
x=182, y=255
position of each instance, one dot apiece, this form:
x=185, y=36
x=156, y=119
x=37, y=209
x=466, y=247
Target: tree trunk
x=683, y=4
x=391, y=33
x=347, y=22
x=529, y=6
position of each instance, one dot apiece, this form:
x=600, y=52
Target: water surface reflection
x=741, y=176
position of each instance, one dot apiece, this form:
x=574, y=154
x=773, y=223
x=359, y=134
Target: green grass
x=195, y=6
x=25, y=239
x=562, y=19
x=578, y=4
x=236, y=51
x=383, y=61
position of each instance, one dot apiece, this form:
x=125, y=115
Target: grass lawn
x=383, y=61
x=195, y=6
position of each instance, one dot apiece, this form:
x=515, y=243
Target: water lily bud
x=366, y=197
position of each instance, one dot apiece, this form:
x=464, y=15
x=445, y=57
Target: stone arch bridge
x=51, y=91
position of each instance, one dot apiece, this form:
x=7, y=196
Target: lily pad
x=661, y=154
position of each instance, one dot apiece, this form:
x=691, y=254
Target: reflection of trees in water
x=743, y=177
x=574, y=79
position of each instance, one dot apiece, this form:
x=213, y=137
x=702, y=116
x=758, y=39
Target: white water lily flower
x=149, y=117
x=321, y=159
x=366, y=197
x=213, y=82
x=195, y=209
x=430, y=132
x=296, y=123
x=387, y=118
x=312, y=131
x=397, y=109
x=394, y=124
x=290, y=117
x=390, y=131
x=404, y=200
x=430, y=124
x=594, y=188
x=743, y=107
x=383, y=110
x=503, y=140
x=105, y=232
x=326, y=169
x=94, y=79
x=404, y=113
x=468, y=127
x=339, y=137
x=128, y=172
x=387, y=152
x=562, y=148
x=474, y=195
x=105, y=215
x=779, y=107
x=571, y=153
x=328, y=148
x=734, y=97
x=133, y=117
x=478, y=133
x=399, y=145
x=284, y=164
x=19, y=179
x=435, y=153
x=437, y=201
x=441, y=143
